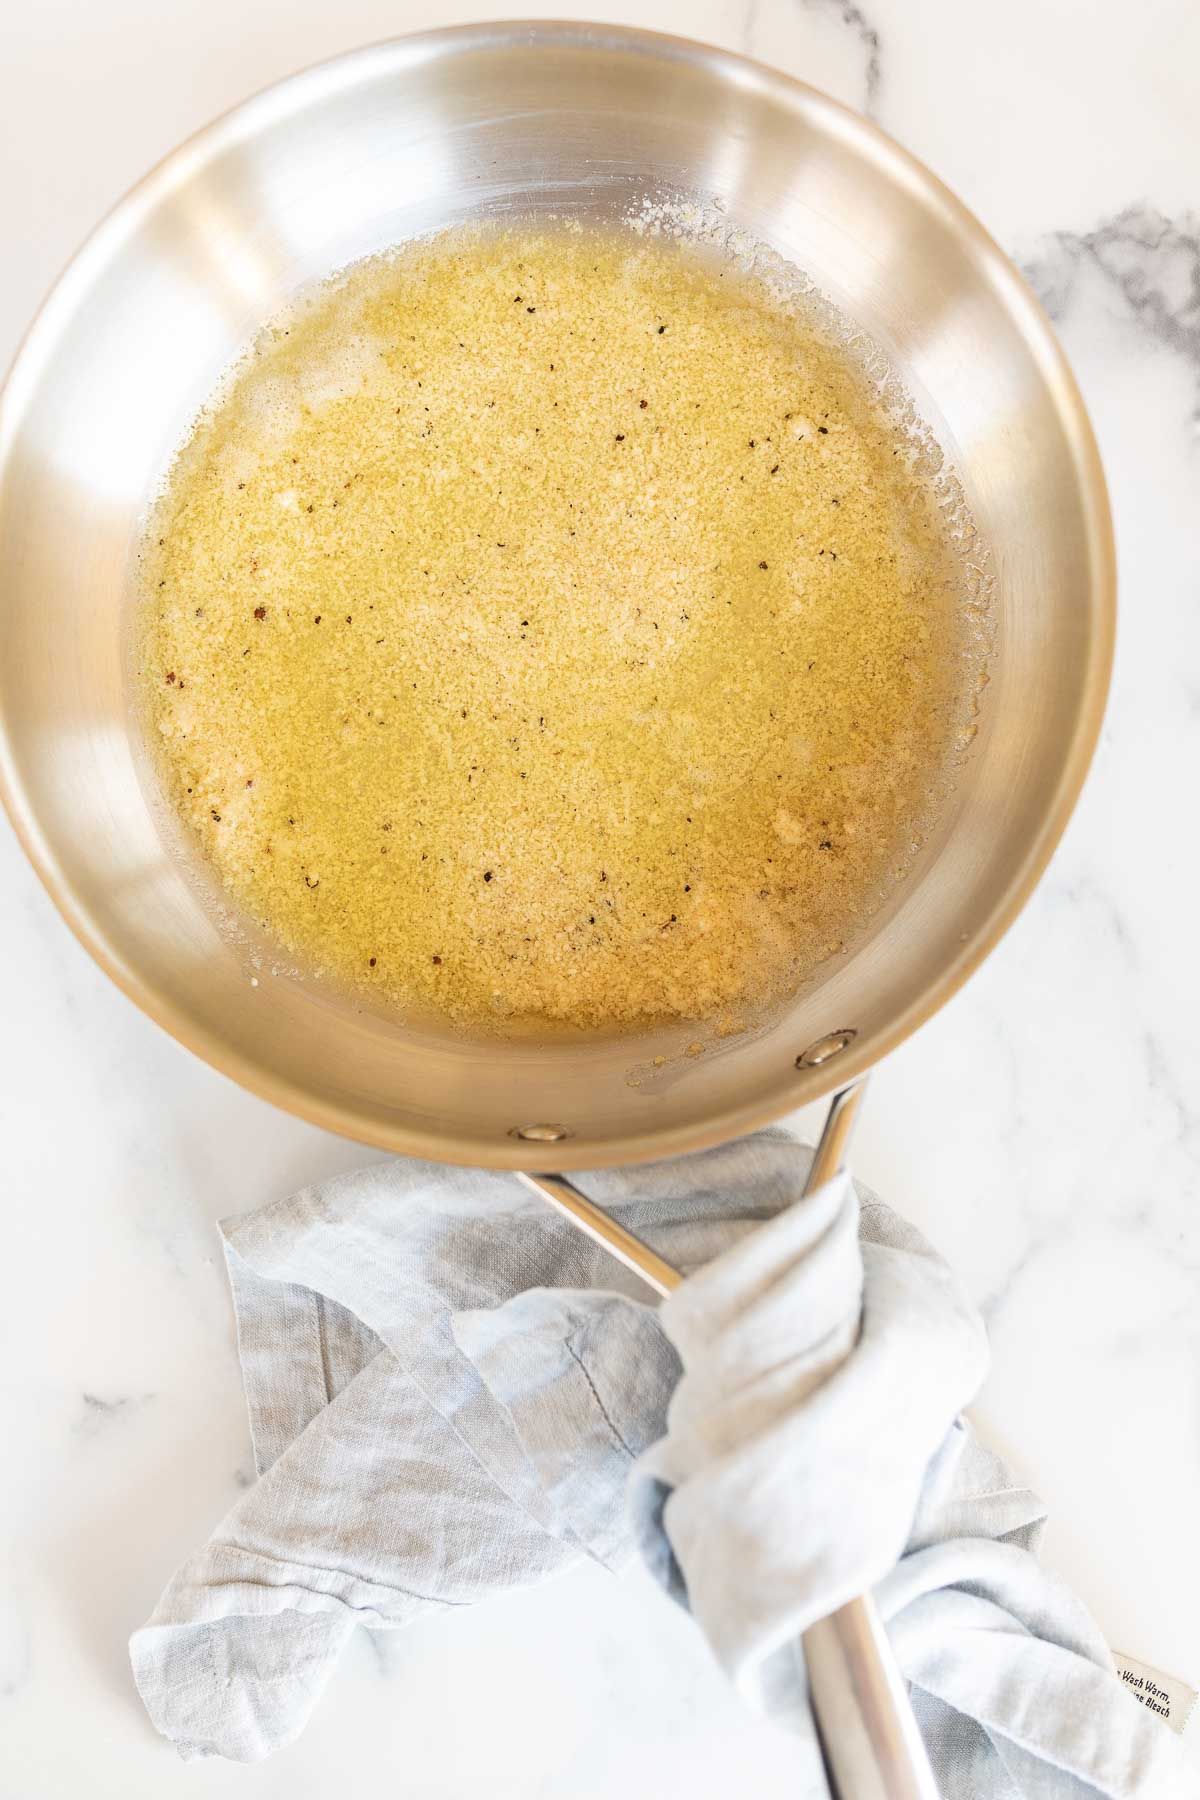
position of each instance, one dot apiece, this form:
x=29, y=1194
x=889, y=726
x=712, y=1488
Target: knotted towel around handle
x=450, y=1392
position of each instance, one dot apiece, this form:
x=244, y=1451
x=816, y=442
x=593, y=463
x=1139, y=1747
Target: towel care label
x=1165, y=1695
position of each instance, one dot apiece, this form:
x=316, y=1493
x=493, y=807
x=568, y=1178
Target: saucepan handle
x=869, y=1739
x=870, y=1744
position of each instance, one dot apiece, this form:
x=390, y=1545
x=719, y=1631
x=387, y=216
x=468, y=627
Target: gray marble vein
x=759, y=16
x=856, y=21
x=1151, y=260
x=100, y=1412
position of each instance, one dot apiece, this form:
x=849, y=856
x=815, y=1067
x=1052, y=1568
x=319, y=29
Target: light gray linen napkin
x=452, y=1393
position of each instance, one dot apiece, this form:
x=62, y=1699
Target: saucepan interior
x=362, y=153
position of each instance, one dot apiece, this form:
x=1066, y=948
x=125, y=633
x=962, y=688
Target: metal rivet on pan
x=540, y=1134
x=831, y=1045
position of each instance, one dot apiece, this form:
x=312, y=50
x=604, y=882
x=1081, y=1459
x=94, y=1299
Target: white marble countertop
x=1044, y=1129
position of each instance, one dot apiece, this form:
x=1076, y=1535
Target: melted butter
x=542, y=626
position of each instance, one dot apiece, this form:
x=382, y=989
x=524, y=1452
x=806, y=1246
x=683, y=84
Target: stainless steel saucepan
x=359, y=154
x=362, y=153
